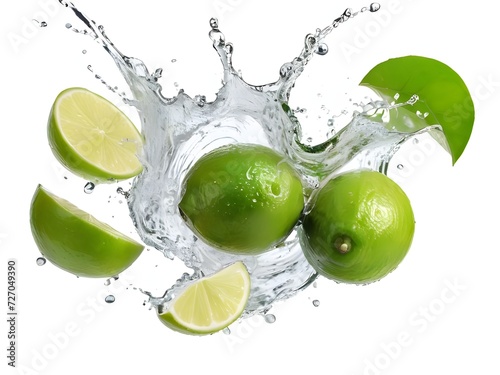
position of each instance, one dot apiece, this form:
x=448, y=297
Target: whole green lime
x=359, y=229
x=242, y=199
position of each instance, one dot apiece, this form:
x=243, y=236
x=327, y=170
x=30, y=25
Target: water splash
x=179, y=130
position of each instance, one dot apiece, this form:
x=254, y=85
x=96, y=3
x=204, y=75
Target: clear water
x=181, y=129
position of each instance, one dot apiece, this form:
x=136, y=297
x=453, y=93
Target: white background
x=437, y=313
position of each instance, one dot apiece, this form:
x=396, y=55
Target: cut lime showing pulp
x=211, y=303
x=75, y=241
x=92, y=138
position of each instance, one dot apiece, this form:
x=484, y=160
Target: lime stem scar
x=343, y=244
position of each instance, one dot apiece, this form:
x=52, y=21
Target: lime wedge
x=92, y=138
x=443, y=98
x=210, y=304
x=75, y=241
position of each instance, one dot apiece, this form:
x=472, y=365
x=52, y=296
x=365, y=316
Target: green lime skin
x=168, y=320
x=75, y=241
x=242, y=199
x=360, y=228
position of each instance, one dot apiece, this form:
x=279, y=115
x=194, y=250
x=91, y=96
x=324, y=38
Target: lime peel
x=442, y=94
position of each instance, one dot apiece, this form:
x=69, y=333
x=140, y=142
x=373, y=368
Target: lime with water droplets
x=360, y=227
x=242, y=198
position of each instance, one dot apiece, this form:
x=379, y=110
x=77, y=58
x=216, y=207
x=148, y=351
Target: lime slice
x=443, y=98
x=92, y=138
x=210, y=304
x=75, y=241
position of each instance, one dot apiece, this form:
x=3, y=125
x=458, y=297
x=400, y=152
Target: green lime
x=242, y=198
x=360, y=227
x=75, y=241
x=210, y=304
x=92, y=138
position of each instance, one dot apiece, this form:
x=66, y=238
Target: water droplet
x=422, y=115
x=214, y=23
x=269, y=318
x=316, y=303
x=315, y=284
x=173, y=60
x=396, y=96
x=226, y=331
x=322, y=49
x=110, y=299
x=40, y=23
x=374, y=7
x=41, y=261
x=89, y=67
x=415, y=141
x=84, y=51
x=120, y=190
x=89, y=187
x=414, y=98
x=68, y=26
x=217, y=37
x=400, y=166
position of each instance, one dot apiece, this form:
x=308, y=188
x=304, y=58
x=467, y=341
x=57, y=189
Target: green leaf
x=442, y=94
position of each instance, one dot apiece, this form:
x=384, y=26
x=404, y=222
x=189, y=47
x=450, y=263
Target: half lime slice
x=92, y=138
x=75, y=241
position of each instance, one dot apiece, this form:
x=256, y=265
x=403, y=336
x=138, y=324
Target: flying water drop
x=270, y=318
x=41, y=261
x=40, y=23
x=89, y=187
